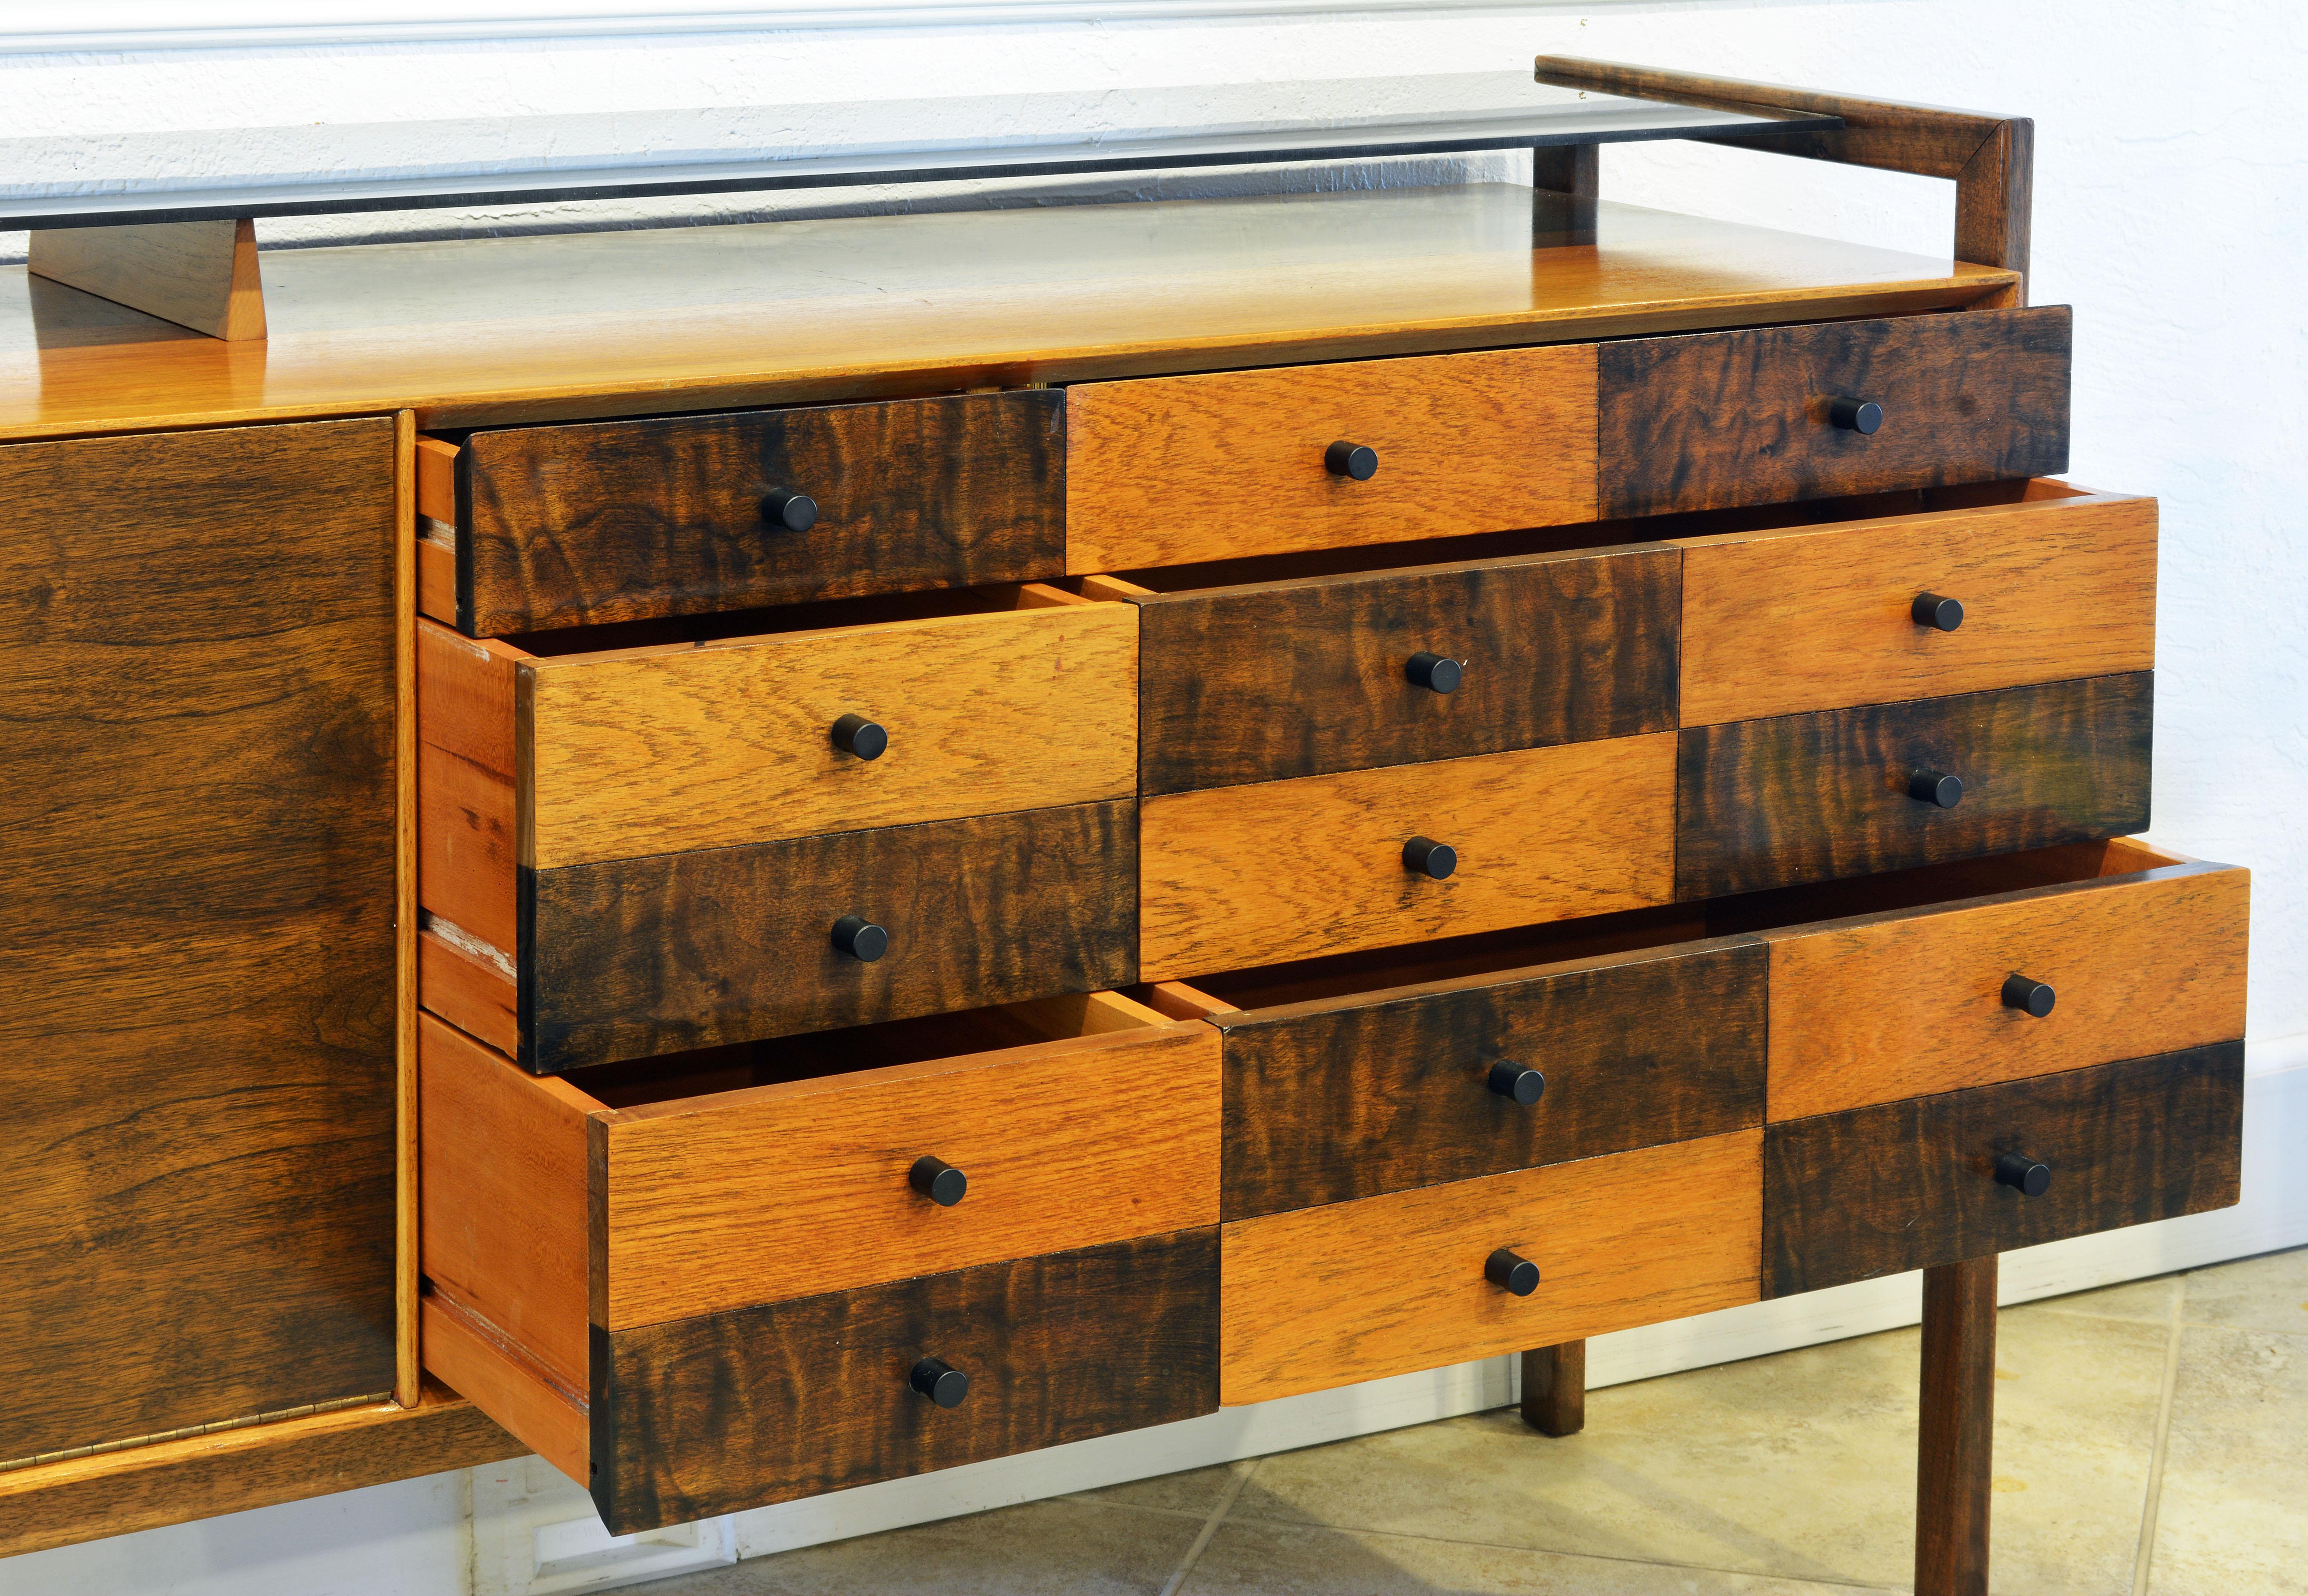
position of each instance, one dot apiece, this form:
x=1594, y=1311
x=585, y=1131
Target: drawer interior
x=1601, y=935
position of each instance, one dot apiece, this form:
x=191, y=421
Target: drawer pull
x=1862, y=417
x=938, y=1180
x=2029, y=997
x=1423, y=856
x=856, y=734
x=860, y=938
x=1511, y=1272
x=1434, y=672
x=794, y=511
x=1511, y=1079
x=940, y=1381
x=2022, y=1172
x=1358, y=461
x=1935, y=788
x=1941, y=614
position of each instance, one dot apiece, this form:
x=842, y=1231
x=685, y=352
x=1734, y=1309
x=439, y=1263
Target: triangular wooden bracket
x=198, y=274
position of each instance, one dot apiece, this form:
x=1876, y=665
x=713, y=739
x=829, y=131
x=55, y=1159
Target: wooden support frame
x=1990, y=158
x=1957, y=1444
x=1555, y=1389
x=199, y=274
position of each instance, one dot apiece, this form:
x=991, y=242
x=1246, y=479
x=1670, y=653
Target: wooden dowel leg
x=1555, y=1389
x=1959, y=1428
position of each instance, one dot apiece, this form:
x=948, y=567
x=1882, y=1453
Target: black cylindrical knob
x=940, y=1381
x=2029, y=997
x=1422, y=855
x=1935, y=788
x=784, y=507
x=2018, y=1169
x=1356, y=461
x=1941, y=614
x=938, y=1180
x=856, y=734
x=1511, y=1271
x=1511, y=1079
x=1856, y=416
x=1434, y=672
x=860, y=938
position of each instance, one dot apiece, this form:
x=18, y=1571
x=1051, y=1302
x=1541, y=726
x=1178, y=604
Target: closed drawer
x=1763, y=803
x=1392, y=1284
x=1704, y=420
x=1164, y=470
x=2056, y=584
x=1246, y=680
x=590, y=1238
x=1910, y=1185
x=575, y=524
x=1253, y=875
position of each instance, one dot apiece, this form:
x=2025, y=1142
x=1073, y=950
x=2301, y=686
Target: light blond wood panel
x=692, y=318
x=198, y=274
x=512, y=1388
x=790, y=1191
x=1257, y=875
x=1806, y=618
x=1909, y=1005
x=1392, y=1284
x=437, y=581
x=436, y=479
x=660, y=751
x=467, y=820
x=1168, y=471
x=506, y=1196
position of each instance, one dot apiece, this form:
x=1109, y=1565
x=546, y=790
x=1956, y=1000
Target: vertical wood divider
x=1554, y=1388
x=408, y=1354
x=1957, y=1444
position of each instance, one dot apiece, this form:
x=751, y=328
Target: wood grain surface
x=468, y=825
x=2058, y=586
x=1910, y=1185
x=1723, y=418
x=1306, y=677
x=1392, y=1284
x=1554, y=1388
x=1340, y=1099
x=639, y=957
x=1956, y=1444
x=198, y=788
x=199, y=274
x=1910, y=1004
x=1256, y=875
x=533, y=1405
x=407, y=1357
x=476, y=995
x=566, y=526
x=730, y=1411
x=798, y=1189
x=1165, y=470
x=658, y=750
x=1804, y=797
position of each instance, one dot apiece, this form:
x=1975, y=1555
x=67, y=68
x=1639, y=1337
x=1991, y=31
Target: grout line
x=2145, y=1555
x=1210, y=1528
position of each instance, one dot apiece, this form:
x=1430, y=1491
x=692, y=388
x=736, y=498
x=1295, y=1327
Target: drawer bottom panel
x=1909, y=1185
x=729, y=1411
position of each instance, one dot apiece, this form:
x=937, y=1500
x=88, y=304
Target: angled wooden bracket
x=198, y=274
x=1992, y=158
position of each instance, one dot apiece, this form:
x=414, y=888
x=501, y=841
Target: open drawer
x=601, y=1249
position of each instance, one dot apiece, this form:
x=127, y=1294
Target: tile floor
x=2151, y=1437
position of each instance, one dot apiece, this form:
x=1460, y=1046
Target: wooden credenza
x=779, y=885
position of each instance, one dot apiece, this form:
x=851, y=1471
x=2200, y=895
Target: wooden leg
x=1958, y=1429
x=1555, y=1389
x=1566, y=181
x=198, y=274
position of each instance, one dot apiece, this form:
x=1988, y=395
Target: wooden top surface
x=478, y=331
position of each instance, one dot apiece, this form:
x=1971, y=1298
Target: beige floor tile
x=1040, y=1548
x=2233, y=1513
x=2147, y=1301
x=1800, y=1466
x=1197, y=1491
x=2269, y=1293
x=1294, y=1560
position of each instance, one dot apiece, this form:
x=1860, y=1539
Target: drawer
x=1699, y=421
x=1393, y=1284
x=1253, y=875
x=576, y=524
x=1165, y=470
x=1251, y=674
x=1909, y=1185
x=2055, y=583
x=589, y=1238
x=1796, y=798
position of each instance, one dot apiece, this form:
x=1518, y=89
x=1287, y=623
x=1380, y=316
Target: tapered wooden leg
x=1555, y=1389
x=1958, y=1429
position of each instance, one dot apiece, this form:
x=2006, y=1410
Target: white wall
x=2171, y=194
